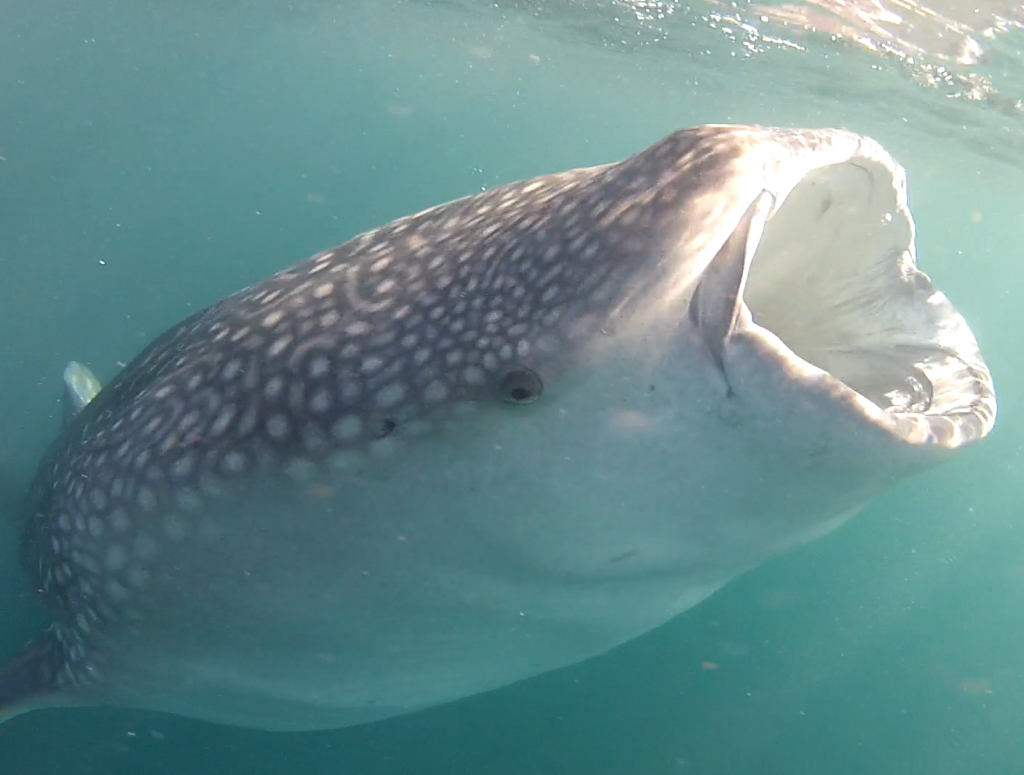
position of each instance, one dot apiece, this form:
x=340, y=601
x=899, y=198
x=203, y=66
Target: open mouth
x=834, y=277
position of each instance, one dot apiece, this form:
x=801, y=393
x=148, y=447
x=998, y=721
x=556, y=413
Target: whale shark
x=495, y=438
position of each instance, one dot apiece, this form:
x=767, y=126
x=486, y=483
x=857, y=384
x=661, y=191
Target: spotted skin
x=208, y=516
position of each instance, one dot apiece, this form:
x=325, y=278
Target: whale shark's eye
x=521, y=386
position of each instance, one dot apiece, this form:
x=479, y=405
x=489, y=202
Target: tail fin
x=28, y=680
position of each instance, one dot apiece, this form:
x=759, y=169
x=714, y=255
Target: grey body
x=495, y=438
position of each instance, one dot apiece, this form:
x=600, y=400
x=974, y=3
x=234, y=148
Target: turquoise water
x=157, y=156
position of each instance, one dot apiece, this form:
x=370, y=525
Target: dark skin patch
x=826, y=205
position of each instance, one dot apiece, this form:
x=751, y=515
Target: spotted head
x=764, y=281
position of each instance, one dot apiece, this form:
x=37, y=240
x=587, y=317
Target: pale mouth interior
x=834, y=278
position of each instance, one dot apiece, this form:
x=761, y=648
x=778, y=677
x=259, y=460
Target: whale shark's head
x=495, y=437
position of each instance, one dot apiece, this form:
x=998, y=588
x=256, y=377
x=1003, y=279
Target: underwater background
x=156, y=155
